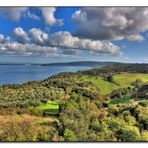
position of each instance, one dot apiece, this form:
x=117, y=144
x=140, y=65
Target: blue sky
x=48, y=34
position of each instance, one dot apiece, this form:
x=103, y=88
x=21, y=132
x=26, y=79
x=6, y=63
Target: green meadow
x=121, y=80
x=50, y=107
x=126, y=79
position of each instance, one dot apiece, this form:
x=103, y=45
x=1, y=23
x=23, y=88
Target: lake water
x=10, y=74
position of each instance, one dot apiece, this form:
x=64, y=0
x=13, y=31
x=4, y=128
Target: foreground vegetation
x=101, y=104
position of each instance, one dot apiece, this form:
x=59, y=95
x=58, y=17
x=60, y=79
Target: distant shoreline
x=75, y=63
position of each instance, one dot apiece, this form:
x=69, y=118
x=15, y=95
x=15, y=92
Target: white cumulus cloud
x=49, y=16
x=21, y=35
x=4, y=38
x=38, y=36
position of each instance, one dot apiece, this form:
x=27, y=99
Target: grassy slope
x=50, y=107
x=124, y=80
x=104, y=86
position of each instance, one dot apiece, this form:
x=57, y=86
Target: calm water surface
x=10, y=74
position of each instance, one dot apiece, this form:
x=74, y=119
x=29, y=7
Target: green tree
x=110, y=79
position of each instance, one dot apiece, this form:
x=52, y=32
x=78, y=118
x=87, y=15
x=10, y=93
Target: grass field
x=124, y=80
x=104, y=86
x=50, y=107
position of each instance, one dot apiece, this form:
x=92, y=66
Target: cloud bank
x=12, y=13
x=112, y=23
x=61, y=42
x=16, y=13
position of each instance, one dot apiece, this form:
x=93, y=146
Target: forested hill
x=118, y=68
x=82, y=63
x=74, y=63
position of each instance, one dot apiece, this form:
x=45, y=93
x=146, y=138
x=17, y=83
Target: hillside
x=102, y=104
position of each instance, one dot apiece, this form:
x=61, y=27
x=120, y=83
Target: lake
x=17, y=74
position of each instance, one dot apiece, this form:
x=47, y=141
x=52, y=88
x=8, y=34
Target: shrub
x=130, y=133
x=144, y=136
x=69, y=135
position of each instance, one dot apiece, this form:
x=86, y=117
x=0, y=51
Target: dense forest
x=101, y=104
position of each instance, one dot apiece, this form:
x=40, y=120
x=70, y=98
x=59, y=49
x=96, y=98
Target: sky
x=63, y=34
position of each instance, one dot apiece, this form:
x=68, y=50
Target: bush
x=144, y=136
x=130, y=120
x=94, y=124
x=130, y=133
x=110, y=78
x=69, y=135
x=144, y=104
